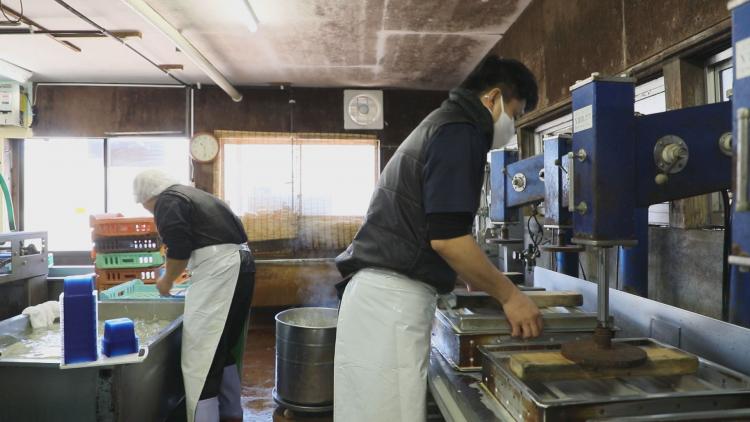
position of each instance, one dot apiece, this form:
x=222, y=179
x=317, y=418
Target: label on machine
x=583, y=119
x=742, y=58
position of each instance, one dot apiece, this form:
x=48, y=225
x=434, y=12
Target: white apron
x=383, y=348
x=214, y=274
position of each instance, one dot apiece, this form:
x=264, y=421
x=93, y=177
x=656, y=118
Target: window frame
x=292, y=139
x=18, y=151
x=714, y=66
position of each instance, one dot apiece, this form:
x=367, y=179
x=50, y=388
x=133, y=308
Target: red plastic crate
x=108, y=225
x=147, y=275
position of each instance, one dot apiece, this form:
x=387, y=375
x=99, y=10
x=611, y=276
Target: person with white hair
x=202, y=233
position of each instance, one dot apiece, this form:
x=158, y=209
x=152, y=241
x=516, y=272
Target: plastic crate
x=108, y=261
x=111, y=278
x=108, y=225
x=138, y=290
x=147, y=243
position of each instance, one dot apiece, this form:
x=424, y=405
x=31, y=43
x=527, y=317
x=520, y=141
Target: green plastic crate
x=129, y=260
x=138, y=290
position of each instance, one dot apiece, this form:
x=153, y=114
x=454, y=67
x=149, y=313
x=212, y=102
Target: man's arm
x=467, y=259
x=174, y=269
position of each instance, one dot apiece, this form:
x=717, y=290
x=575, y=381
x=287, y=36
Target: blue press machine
x=598, y=183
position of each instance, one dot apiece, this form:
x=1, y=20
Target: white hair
x=150, y=183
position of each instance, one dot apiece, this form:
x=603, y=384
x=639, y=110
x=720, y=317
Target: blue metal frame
x=499, y=210
x=504, y=200
x=739, y=303
x=633, y=268
x=603, y=127
x=534, y=190
x=707, y=170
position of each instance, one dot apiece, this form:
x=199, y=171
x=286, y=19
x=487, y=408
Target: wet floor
x=258, y=372
x=258, y=368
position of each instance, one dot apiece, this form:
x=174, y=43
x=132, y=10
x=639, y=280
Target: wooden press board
x=552, y=366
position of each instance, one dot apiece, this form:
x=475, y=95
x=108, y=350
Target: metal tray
x=461, y=350
x=491, y=320
x=712, y=387
x=456, y=333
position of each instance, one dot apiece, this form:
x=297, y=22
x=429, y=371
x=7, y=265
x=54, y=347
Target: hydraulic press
x=515, y=183
x=619, y=163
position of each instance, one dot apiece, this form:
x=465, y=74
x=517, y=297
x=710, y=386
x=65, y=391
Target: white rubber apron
x=383, y=348
x=214, y=274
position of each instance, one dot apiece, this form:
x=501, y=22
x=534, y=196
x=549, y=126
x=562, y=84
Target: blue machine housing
x=603, y=127
x=739, y=304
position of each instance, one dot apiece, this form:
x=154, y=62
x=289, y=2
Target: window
x=301, y=194
x=558, y=126
x=63, y=183
x=719, y=77
x=66, y=180
x=126, y=157
x=650, y=98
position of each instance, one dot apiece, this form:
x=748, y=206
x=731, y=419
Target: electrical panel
x=10, y=104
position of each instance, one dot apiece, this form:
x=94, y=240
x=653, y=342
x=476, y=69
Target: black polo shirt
x=188, y=219
x=453, y=175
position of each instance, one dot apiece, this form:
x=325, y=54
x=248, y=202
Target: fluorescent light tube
x=152, y=16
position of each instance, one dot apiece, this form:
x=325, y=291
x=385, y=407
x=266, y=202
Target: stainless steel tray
x=491, y=320
x=712, y=387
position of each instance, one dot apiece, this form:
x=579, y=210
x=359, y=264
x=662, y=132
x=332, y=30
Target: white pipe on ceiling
x=151, y=15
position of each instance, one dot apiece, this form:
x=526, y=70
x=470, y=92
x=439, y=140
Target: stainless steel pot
x=305, y=341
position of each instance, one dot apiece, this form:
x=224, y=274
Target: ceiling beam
x=30, y=22
x=114, y=37
x=69, y=33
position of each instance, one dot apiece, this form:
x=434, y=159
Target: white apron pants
x=383, y=348
x=214, y=274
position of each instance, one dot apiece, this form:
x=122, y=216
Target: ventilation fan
x=363, y=109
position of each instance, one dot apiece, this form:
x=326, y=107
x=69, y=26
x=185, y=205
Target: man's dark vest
x=394, y=233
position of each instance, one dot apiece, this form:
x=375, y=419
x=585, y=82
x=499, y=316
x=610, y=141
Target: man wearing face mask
x=416, y=240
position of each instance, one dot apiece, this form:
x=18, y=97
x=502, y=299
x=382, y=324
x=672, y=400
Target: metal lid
x=736, y=3
x=598, y=77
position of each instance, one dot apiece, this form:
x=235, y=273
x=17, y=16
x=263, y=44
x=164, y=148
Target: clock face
x=204, y=147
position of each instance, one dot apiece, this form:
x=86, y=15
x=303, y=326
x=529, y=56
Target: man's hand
x=467, y=259
x=523, y=315
x=163, y=286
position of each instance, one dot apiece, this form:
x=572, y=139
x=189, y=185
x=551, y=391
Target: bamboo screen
x=298, y=194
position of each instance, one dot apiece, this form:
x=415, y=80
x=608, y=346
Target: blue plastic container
x=79, y=319
x=119, y=337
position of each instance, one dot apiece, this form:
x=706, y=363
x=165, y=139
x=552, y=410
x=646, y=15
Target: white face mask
x=504, y=128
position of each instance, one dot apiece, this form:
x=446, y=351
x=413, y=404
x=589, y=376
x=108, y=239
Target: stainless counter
x=37, y=390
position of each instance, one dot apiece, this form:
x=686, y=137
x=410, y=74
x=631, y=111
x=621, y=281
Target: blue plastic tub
x=119, y=337
x=78, y=319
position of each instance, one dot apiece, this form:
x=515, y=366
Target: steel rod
x=603, y=290
x=30, y=22
x=114, y=37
